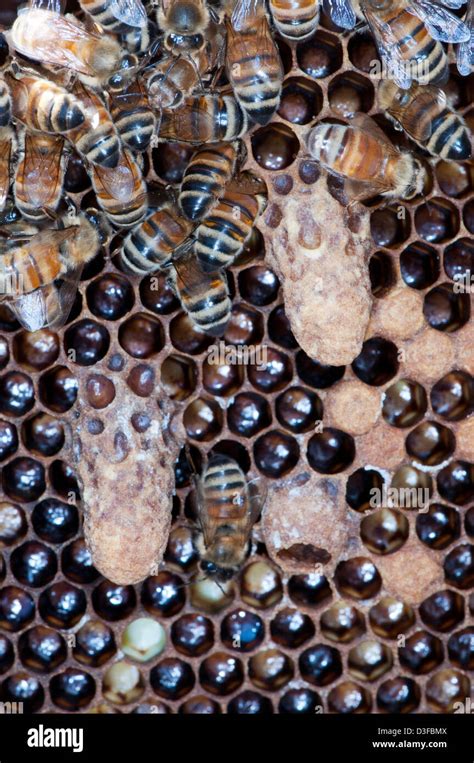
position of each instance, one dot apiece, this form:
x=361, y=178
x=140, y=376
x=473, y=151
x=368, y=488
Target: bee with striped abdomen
x=116, y=15
x=227, y=510
x=208, y=118
x=96, y=139
x=295, y=19
x=362, y=154
x=5, y=104
x=121, y=191
x=39, y=174
x=205, y=179
x=132, y=115
x=253, y=62
x=42, y=105
x=423, y=113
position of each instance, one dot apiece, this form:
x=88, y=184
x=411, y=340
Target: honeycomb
x=71, y=641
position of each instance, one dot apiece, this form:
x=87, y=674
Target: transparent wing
x=465, y=51
x=244, y=11
x=441, y=24
x=341, y=12
x=389, y=50
x=30, y=310
x=418, y=129
x=131, y=12
x=57, y=6
x=118, y=182
x=43, y=169
x=453, y=3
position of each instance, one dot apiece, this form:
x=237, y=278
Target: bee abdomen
x=210, y=309
x=231, y=118
x=5, y=104
x=205, y=179
x=295, y=21
x=56, y=112
x=222, y=235
x=99, y=10
x=100, y=146
x=150, y=246
x=136, y=128
x=450, y=137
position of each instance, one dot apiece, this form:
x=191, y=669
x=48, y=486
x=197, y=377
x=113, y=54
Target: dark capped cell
x=456, y=482
x=300, y=702
x=222, y=378
x=270, y=669
x=192, y=635
x=234, y=450
x=301, y=100
x=404, y=403
x=113, y=602
x=384, y=531
x=454, y=178
x=221, y=673
x=459, y=566
x=250, y=703
x=319, y=56
x=43, y=434
x=315, y=374
x=452, y=397
x=349, y=697
x=421, y=653
x=439, y=526
x=200, y=705
x=63, y=480
x=8, y=439
x=157, y=295
x=17, y=609
x=163, y=595
x=362, y=51
x=181, y=551
x=309, y=590
x=7, y=654
x=248, y=414
x=110, y=296
x=468, y=215
x=62, y=605
x=94, y=644
x=290, y=628
x=446, y=689
x=24, y=688
x=358, y=578
x=242, y=630
x=398, y=695
x=260, y=585
x=17, y=394
x=58, y=389
x=377, y=362
x=36, y=350
x=414, y=488
x=430, y=443
x=33, y=564
x=362, y=488
x=275, y=146
x=276, y=453
x=187, y=337
x=279, y=329
x=4, y=352
x=350, y=93
x=369, y=660
x=436, y=221
x=42, y=649
x=13, y=524
x=443, y=610
x=141, y=335
x=445, y=308
x=308, y=171
x=100, y=391
x=388, y=227
x=179, y=377
x=458, y=260
x=170, y=161
x=271, y=373
x=55, y=521
x=203, y=419
x=76, y=563
x=72, y=689
x=419, y=265
x=258, y=285
x=390, y=617
x=342, y=622
x=86, y=342
x=461, y=648
x=298, y=409
x=330, y=451
x=245, y=326
x=320, y=664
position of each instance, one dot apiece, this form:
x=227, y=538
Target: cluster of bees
x=122, y=77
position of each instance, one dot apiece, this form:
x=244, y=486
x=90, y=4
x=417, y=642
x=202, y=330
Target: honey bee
x=8, y=146
x=295, y=19
x=58, y=41
x=185, y=25
x=208, y=118
x=43, y=105
x=362, y=154
x=121, y=191
x=5, y=104
x=96, y=139
x=409, y=34
x=253, y=62
x=423, y=113
x=137, y=40
x=132, y=115
x=465, y=50
x=39, y=173
x=223, y=234
x=227, y=510
x=152, y=244
x=116, y=15
x=205, y=179
x=30, y=269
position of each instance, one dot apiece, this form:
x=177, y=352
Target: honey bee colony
x=236, y=395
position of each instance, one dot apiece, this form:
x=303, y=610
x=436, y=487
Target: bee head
x=213, y=571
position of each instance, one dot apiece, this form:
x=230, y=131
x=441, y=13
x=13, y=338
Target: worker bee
x=131, y=114
x=224, y=232
x=253, y=62
x=152, y=244
x=423, y=113
x=363, y=155
x=39, y=273
x=295, y=19
x=208, y=118
x=228, y=507
x=58, y=41
x=204, y=296
x=121, y=191
x=465, y=50
x=205, y=179
x=185, y=25
x=116, y=15
x=8, y=146
x=96, y=139
x=43, y=105
x=39, y=173
x=409, y=34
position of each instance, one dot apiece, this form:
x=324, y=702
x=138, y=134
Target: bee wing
x=190, y=276
x=453, y=3
x=30, y=310
x=61, y=298
x=341, y=13
x=131, y=12
x=418, y=130
x=387, y=45
x=369, y=126
x=359, y=190
x=243, y=13
x=57, y=6
x=258, y=495
x=465, y=51
x=42, y=170
x=118, y=182
x=5, y=155
x=441, y=24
